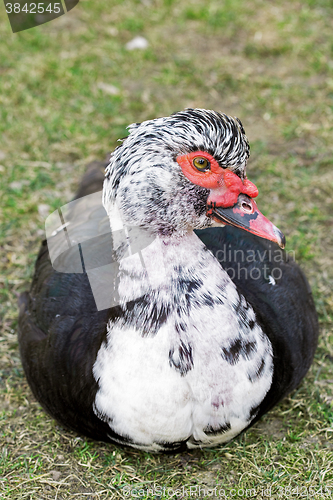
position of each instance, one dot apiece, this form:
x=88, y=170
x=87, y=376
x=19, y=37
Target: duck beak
x=245, y=215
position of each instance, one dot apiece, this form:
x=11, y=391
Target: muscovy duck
x=213, y=324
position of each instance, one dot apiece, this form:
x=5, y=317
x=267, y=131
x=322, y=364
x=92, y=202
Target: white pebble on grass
x=139, y=42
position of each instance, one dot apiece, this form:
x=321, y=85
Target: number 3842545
x=33, y=8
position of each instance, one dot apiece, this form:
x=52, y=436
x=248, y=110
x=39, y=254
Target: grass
x=270, y=64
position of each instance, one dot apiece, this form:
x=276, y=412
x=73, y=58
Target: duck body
x=213, y=326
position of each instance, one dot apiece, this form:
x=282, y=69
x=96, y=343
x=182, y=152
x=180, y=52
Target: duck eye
x=201, y=164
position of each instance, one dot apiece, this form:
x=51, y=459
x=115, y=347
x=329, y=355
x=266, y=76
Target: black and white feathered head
x=175, y=173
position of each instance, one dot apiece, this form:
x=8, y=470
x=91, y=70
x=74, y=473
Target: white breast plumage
x=201, y=372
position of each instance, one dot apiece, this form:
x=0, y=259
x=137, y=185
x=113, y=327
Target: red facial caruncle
x=202, y=169
x=230, y=198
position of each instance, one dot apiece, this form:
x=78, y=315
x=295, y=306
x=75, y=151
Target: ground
x=68, y=89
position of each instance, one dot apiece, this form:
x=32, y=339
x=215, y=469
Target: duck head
x=187, y=171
